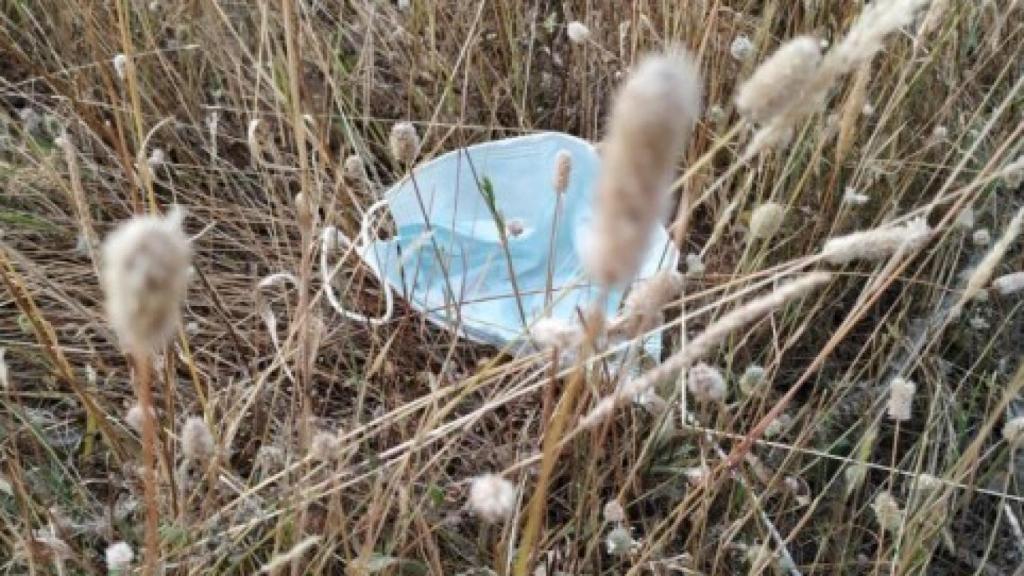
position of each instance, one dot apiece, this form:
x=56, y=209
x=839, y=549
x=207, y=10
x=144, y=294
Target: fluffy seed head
x=563, y=170
x=643, y=307
x=878, y=243
x=196, y=441
x=324, y=446
x=1013, y=430
x=119, y=557
x=120, y=63
x=779, y=80
x=751, y=380
x=157, y=158
x=405, y=142
x=854, y=476
x=1009, y=283
x=492, y=498
x=355, y=169
x=741, y=48
x=650, y=125
x=578, y=32
x=619, y=541
x=887, y=512
x=864, y=40
x=706, y=383
x=145, y=277
x=555, y=334
x=133, y=418
x=694, y=266
x=1013, y=173
x=614, y=512
x=766, y=220
x=901, y=398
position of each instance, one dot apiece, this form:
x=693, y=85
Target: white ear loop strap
x=332, y=239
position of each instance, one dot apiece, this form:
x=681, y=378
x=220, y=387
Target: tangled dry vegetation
x=866, y=426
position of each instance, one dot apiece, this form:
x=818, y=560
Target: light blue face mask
x=470, y=288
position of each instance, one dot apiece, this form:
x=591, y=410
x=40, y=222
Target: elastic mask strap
x=333, y=240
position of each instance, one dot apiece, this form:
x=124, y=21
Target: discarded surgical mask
x=473, y=249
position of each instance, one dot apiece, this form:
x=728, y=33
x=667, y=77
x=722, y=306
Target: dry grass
x=417, y=412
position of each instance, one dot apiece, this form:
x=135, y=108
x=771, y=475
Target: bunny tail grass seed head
x=492, y=498
x=1013, y=430
x=766, y=220
x=741, y=48
x=355, y=169
x=196, y=440
x=1009, y=283
x=887, y=512
x=643, y=307
x=119, y=556
x=983, y=272
x=752, y=379
x=555, y=334
x=563, y=171
x=145, y=277
x=702, y=345
x=405, y=142
x=578, y=32
x=650, y=124
x=901, y=398
x=133, y=418
x=324, y=446
x=779, y=80
x=706, y=383
x=879, y=243
x=120, y=63
x=614, y=512
x=865, y=37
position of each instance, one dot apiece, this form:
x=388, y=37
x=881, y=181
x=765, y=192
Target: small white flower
x=578, y=32
x=119, y=556
x=492, y=497
x=741, y=48
x=981, y=237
